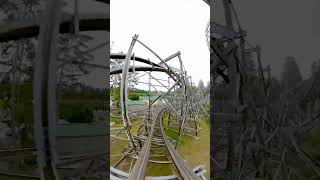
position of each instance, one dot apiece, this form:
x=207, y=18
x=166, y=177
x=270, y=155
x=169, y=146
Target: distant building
x=152, y=98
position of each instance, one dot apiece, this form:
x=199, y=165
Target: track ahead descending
x=139, y=169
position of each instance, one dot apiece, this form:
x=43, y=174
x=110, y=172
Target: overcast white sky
x=166, y=26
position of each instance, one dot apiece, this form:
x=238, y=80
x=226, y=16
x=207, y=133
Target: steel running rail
x=19, y=175
x=153, y=135
x=140, y=166
x=45, y=29
x=185, y=171
x=139, y=169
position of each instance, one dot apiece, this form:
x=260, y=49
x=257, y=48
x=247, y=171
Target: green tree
x=291, y=75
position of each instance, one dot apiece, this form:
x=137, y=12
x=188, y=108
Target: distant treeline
x=75, y=104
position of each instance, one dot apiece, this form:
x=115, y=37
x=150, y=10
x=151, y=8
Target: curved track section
x=150, y=144
x=46, y=29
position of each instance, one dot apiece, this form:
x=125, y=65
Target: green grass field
x=195, y=152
